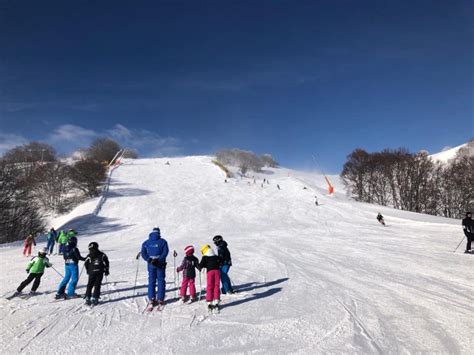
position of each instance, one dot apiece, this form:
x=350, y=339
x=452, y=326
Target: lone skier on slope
x=380, y=219
x=154, y=252
x=468, y=228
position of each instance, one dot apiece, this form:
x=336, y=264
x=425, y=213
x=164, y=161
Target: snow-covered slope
x=446, y=155
x=326, y=279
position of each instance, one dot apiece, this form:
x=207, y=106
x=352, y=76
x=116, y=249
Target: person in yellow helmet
x=212, y=263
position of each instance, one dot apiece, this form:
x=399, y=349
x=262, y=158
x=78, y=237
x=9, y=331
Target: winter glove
x=138, y=256
x=154, y=262
x=106, y=272
x=27, y=271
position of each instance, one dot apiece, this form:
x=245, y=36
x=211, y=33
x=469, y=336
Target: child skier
x=62, y=241
x=188, y=266
x=97, y=264
x=211, y=262
x=29, y=241
x=71, y=261
x=35, y=269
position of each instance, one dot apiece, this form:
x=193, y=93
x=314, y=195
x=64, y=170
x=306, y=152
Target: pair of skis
x=150, y=307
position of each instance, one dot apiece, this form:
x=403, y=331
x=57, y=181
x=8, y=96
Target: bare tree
x=19, y=213
x=103, y=150
x=30, y=153
x=87, y=176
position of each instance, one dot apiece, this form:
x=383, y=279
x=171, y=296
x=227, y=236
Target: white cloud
x=9, y=141
x=72, y=133
x=120, y=132
x=147, y=143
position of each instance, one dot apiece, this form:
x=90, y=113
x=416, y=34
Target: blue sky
x=289, y=78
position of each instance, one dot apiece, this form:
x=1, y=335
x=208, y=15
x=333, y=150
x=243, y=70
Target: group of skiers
x=61, y=238
x=154, y=251
x=96, y=265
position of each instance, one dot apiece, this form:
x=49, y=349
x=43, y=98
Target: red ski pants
x=27, y=250
x=212, y=285
x=184, y=286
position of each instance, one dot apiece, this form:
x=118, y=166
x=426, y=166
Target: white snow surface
x=446, y=155
x=310, y=279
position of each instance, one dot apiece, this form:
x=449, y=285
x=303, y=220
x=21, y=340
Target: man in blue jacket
x=154, y=252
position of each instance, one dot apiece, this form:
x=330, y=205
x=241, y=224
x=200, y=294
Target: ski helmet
x=93, y=245
x=43, y=251
x=189, y=250
x=217, y=239
x=156, y=228
x=205, y=248
x=72, y=241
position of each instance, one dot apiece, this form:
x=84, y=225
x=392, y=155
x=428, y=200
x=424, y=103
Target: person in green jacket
x=35, y=269
x=62, y=241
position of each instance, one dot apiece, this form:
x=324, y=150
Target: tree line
x=245, y=160
x=412, y=181
x=34, y=179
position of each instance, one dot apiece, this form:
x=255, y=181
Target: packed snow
x=309, y=279
x=447, y=154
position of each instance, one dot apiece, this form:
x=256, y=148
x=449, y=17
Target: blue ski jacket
x=155, y=248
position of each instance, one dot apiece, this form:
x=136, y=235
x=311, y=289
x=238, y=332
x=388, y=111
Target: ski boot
x=94, y=301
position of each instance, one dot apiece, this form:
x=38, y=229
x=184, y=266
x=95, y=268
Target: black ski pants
x=31, y=277
x=95, y=281
x=469, y=240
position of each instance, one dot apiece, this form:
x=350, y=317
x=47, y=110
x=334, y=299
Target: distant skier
x=188, y=267
x=62, y=241
x=278, y=187
x=71, y=276
x=468, y=228
x=226, y=262
x=380, y=219
x=316, y=200
x=97, y=265
x=35, y=269
x=52, y=236
x=29, y=242
x=154, y=252
x=211, y=262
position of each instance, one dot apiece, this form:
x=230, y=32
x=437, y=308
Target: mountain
x=309, y=279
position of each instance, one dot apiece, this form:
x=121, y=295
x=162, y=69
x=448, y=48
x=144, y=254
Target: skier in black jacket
x=468, y=228
x=97, y=264
x=224, y=254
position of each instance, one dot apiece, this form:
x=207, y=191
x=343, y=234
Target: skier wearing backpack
x=71, y=260
x=211, y=262
x=188, y=266
x=97, y=265
x=35, y=269
x=154, y=252
x=226, y=262
x=29, y=242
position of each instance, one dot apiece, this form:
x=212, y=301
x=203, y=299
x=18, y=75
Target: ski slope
x=310, y=279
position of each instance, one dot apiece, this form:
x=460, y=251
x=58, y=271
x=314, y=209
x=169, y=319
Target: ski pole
x=200, y=286
x=81, y=272
x=52, y=267
x=175, y=254
x=458, y=245
x=136, y=277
